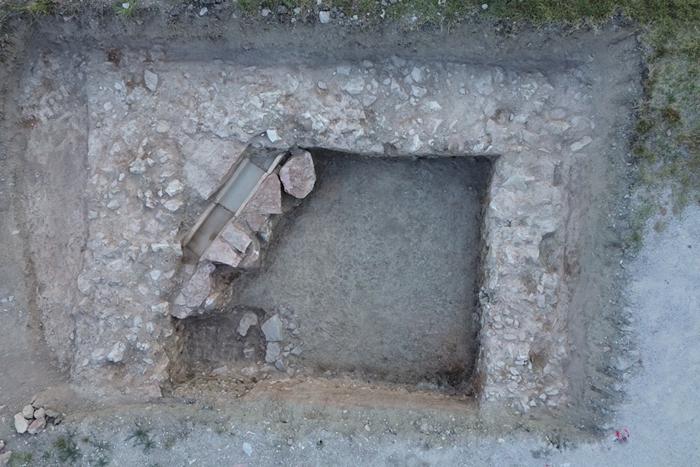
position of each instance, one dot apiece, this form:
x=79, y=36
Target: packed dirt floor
x=417, y=254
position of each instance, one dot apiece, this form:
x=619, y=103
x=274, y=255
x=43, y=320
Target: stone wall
x=162, y=134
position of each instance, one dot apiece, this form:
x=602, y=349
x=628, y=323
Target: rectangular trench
x=374, y=276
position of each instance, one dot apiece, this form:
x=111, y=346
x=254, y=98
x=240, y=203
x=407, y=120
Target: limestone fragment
x=235, y=236
x=272, y=352
x=28, y=412
x=354, y=86
x=582, y=143
x=36, y=426
x=248, y=320
x=195, y=291
x=150, y=79
x=298, y=175
x=247, y=449
x=324, y=17
x=116, y=354
x=174, y=187
x=273, y=328
x=222, y=252
x=173, y=205
x=268, y=198
x=21, y=423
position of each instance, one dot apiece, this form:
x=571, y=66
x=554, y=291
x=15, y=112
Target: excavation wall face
x=159, y=133
x=375, y=273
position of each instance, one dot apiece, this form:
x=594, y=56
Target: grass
x=126, y=8
x=39, y=7
x=66, y=449
x=141, y=437
x=20, y=459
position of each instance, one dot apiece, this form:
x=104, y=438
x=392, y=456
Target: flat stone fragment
x=273, y=328
x=28, y=412
x=195, y=291
x=116, y=354
x=248, y=320
x=268, y=198
x=222, y=252
x=298, y=175
x=36, y=426
x=150, y=79
x=272, y=352
x=207, y=161
x=235, y=236
x=21, y=423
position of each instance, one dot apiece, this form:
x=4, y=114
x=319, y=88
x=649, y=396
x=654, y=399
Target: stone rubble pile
x=34, y=419
x=238, y=244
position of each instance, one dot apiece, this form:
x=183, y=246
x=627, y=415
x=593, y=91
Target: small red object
x=622, y=435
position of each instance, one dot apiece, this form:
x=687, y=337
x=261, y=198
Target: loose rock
x=194, y=292
x=268, y=198
x=222, y=252
x=298, y=175
x=247, y=449
x=324, y=17
x=21, y=423
x=116, y=354
x=273, y=328
x=248, y=320
x=273, y=352
x=235, y=236
x=36, y=426
x=28, y=412
x=151, y=80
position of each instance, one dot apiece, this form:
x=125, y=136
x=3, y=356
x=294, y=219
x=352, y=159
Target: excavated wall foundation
x=459, y=199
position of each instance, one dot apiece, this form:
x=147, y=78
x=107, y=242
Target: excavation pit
x=374, y=274
x=405, y=265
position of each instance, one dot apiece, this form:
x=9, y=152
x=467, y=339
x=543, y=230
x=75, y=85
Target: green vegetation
x=20, y=459
x=66, y=449
x=126, y=8
x=141, y=437
x=40, y=7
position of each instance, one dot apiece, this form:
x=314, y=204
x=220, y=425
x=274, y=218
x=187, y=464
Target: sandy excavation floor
x=451, y=290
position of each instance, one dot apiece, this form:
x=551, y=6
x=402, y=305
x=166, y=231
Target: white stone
x=247, y=449
x=137, y=166
x=580, y=144
x=272, y=352
x=114, y=204
x=248, y=320
x=418, y=92
x=116, y=354
x=354, y=86
x=151, y=80
x=324, y=17
x=417, y=74
x=175, y=187
x=203, y=11
x=162, y=126
x=298, y=175
x=273, y=328
x=172, y=205
x=21, y=423
x=28, y=412
x=272, y=135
